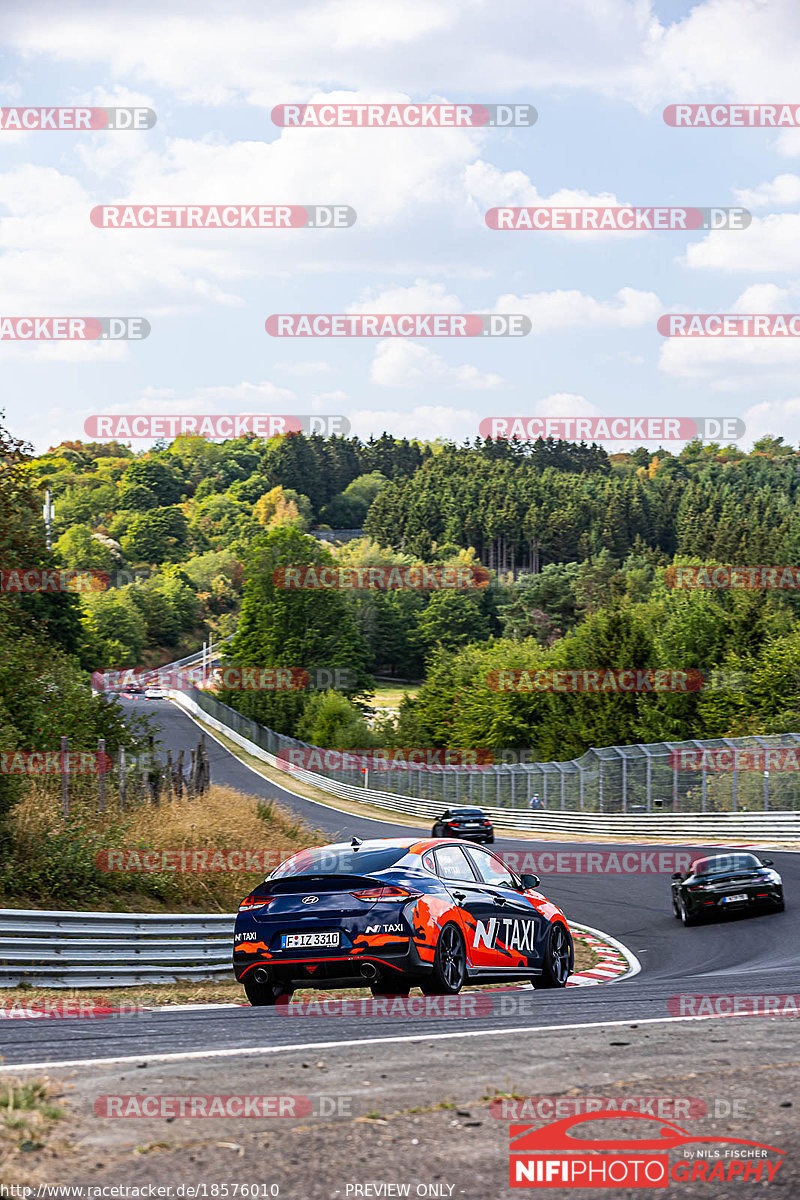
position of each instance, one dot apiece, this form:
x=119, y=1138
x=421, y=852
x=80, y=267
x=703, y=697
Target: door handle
x=459, y=896
x=501, y=900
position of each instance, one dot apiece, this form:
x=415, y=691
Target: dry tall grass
x=50, y=862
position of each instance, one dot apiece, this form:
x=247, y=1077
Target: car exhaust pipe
x=369, y=971
x=261, y=975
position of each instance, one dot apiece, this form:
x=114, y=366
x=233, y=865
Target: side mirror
x=677, y=875
x=766, y=862
x=529, y=881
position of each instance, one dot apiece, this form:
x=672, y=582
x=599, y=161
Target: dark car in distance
x=465, y=822
x=725, y=883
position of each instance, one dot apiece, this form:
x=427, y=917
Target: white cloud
x=781, y=192
x=770, y=243
x=776, y=418
x=763, y=298
x=426, y=422
x=552, y=311
x=421, y=297
x=405, y=364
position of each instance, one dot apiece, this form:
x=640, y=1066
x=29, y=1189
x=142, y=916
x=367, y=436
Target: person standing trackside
x=535, y=802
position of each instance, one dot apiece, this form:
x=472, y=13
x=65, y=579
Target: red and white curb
x=615, y=960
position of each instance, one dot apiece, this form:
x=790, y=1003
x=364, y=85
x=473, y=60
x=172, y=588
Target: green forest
x=577, y=541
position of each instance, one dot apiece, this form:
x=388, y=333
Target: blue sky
x=599, y=75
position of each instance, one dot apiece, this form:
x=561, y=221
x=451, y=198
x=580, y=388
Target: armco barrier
x=89, y=949
x=708, y=827
x=99, y=949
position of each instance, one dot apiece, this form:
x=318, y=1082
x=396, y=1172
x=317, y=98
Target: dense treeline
x=44, y=694
x=172, y=526
x=578, y=542
x=518, y=511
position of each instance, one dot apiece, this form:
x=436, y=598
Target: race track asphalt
x=741, y=955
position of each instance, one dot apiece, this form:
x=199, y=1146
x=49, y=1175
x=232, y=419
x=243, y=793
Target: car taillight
x=387, y=892
x=251, y=902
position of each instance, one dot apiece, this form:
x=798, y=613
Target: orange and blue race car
x=393, y=914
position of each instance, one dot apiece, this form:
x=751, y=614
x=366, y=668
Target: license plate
x=301, y=941
x=732, y=899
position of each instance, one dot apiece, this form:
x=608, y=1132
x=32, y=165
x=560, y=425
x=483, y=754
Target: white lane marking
x=187, y=1055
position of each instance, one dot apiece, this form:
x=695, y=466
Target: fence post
x=735, y=779
x=65, y=777
x=122, y=777
x=674, y=783
x=101, y=777
x=766, y=791
x=168, y=778
x=190, y=792
x=649, y=783
x=179, y=776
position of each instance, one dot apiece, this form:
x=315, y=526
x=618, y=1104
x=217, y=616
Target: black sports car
x=726, y=883
x=394, y=914
x=466, y=822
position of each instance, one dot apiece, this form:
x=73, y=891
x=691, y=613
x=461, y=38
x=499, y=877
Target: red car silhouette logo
x=529, y=1138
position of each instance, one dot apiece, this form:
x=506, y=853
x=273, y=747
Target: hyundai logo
x=310, y=899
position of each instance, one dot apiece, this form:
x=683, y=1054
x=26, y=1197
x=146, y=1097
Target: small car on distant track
x=726, y=883
x=392, y=914
x=464, y=822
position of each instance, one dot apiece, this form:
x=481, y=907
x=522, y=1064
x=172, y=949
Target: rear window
x=324, y=861
x=724, y=863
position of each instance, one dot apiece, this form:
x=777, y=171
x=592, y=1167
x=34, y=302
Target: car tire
x=676, y=912
x=686, y=917
x=490, y=840
x=558, y=958
x=436, y=832
x=266, y=995
x=449, y=972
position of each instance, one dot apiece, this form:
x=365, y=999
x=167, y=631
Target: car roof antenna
x=357, y=843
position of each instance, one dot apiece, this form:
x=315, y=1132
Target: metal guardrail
x=101, y=949
x=779, y=826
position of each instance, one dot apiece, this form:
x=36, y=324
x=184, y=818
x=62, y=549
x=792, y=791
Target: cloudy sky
x=599, y=73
